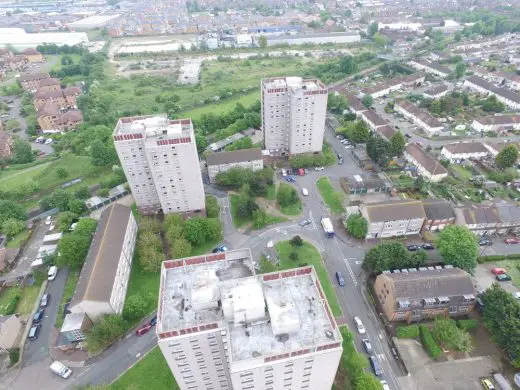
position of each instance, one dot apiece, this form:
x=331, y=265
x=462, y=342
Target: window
x=453, y=309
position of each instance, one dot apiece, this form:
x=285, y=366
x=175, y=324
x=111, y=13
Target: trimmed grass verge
x=333, y=198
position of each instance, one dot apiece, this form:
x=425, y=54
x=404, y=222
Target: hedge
x=11, y=306
x=407, y=332
x=429, y=343
x=467, y=324
x=493, y=258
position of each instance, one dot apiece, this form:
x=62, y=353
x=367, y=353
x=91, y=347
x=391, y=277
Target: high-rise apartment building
x=220, y=326
x=160, y=160
x=293, y=114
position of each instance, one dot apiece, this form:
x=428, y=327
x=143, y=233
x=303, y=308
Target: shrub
x=14, y=355
x=11, y=305
x=407, y=332
x=429, y=343
x=104, y=332
x=467, y=324
x=296, y=241
x=135, y=307
x=293, y=256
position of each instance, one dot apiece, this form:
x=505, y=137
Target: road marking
x=138, y=355
x=381, y=356
x=358, y=262
x=349, y=269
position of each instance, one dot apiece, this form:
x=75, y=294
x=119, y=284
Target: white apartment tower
x=160, y=160
x=220, y=326
x=293, y=114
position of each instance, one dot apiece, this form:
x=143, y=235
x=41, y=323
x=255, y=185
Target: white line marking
x=349, y=269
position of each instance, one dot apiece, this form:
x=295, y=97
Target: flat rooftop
x=152, y=126
x=264, y=315
x=294, y=83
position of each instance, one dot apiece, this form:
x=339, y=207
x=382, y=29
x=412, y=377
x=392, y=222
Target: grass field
x=57, y=60
x=68, y=292
x=27, y=298
x=308, y=254
x=246, y=100
x=151, y=372
x=17, y=240
x=333, y=198
x=461, y=172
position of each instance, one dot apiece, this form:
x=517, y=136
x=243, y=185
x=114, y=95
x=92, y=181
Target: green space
x=56, y=60
x=145, y=284
x=461, y=172
x=151, y=372
x=512, y=268
x=17, y=240
x=333, y=198
x=271, y=192
x=402, y=182
x=238, y=220
x=308, y=255
x=246, y=100
x=293, y=209
x=26, y=302
x=68, y=292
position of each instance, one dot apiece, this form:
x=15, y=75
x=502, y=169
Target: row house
x=31, y=82
x=386, y=132
x=509, y=98
x=420, y=117
x=439, y=214
x=355, y=105
x=494, y=149
x=416, y=294
x=32, y=55
x=428, y=167
x=396, y=84
x=52, y=120
x=372, y=119
x=393, y=218
x=48, y=85
x=500, y=218
x=460, y=151
x=224, y=161
x=430, y=67
x=436, y=92
x=63, y=98
x=496, y=123
x=484, y=73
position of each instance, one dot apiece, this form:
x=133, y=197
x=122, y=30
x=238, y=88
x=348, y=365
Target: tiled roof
x=430, y=164
x=394, y=210
x=419, y=113
x=436, y=209
x=466, y=147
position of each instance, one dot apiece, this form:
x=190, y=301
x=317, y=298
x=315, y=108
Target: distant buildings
x=420, y=117
x=62, y=98
x=293, y=114
x=31, y=82
x=317, y=39
x=32, y=55
x=416, y=294
x=496, y=123
x=223, y=161
x=509, y=98
x=428, y=167
x=160, y=160
x=430, y=67
x=436, y=91
x=221, y=326
x=52, y=119
x=20, y=40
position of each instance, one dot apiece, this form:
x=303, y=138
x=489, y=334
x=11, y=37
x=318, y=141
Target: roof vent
x=396, y=271
x=282, y=338
x=387, y=272
x=423, y=269
x=438, y=267
x=431, y=268
x=412, y=269
x=329, y=334
x=404, y=271
x=256, y=354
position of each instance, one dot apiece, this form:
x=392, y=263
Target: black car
x=341, y=279
x=38, y=316
x=153, y=321
x=367, y=346
x=427, y=247
x=503, y=277
x=413, y=247
x=408, y=135
x=485, y=242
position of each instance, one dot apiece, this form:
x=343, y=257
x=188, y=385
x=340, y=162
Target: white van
x=60, y=369
x=305, y=192
x=53, y=271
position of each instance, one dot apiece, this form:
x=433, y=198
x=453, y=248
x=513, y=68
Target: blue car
x=153, y=321
x=290, y=179
x=341, y=279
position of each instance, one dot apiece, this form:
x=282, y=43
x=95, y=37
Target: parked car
x=359, y=325
x=34, y=332
x=284, y=172
x=368, y=346
x=48, y=141
x=290, y=179
x=487, y=384
x=413, y=247
x=385, y=385
x=220, y=248
x=153, y=321
x=143, y=329
x=45, y=300
x=53, y=271
x=485, y=242
x=512, y=240
x=376, y=366
x=427, y=247
x=341, y=279
x=305, y=191
x=319, y=168
x=498, y=271
x=60, y=369
x=503, y=277
x=38, y=316
x=305, y=222
x=407, y=135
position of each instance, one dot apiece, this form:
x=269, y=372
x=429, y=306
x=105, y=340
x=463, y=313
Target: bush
x=493, y=258
x=14, y=355
x=293, y=256
x=296, y=241
x=11, y=305
x=467, y=324
x=407, y=332
x=429, y=343
x=103, y=333
x=135, y=307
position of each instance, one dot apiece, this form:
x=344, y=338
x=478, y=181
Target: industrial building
x=316, y=39
x=220, y=326
x=18, y=39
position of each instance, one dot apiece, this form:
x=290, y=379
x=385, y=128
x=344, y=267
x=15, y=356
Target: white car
x=319, y=169
x=385, y=385
x=53, y=271
x=349, y=147
x=48, y=220
x=48, y=141
x=284, y=172
x=305, y=192
x=359, y=325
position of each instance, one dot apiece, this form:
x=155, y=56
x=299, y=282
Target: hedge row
x=493, y=258
x=429, y=343
x=407, y=332
x=467, y=324
x=11, y=306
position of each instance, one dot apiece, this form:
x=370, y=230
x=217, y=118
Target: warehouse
x=92, y=22
x=317, y=39
x=20, y=40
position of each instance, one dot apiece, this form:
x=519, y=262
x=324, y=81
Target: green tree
x=150, y=224
x=460, y=70
x=459, y=247
x=246, y=203
x=61, y=199
x=82, y=192
x=151, y=258
x=181, y=248
x=337, y=103
x=105, y=331
x=436, y=107
x=135, y=307
x=77, y=206
x=22, y=152
x=458, y=36
x=373, y=28
x=65, y=219
x=357, y=226
x=286, y=195
x=86, y=227
x=360, y=132
x=296, y=241
x=507, y=157
x=260, y=218
x=387, y=256
x=449, y=336
x=10, y=209
x=73, y=249
x=11, y=227
x=380, y=40
x=378, y=150
x=293, y=256
x=194, y=230
x=61, y=173
x=367, y=100
x=366, y=381
x=397, y=144
x=262, y=41
x=212, y=207
x=101, y=154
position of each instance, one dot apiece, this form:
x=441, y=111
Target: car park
x=359, y=325
x=367, y=346
x=413, y=247
x=38, y=316
x=45, y=300
x=305, y=222
x=503, y=278
x=427, y=247
x=143, y=329
x=498, y=271
x=340, y=278
x=34, y=332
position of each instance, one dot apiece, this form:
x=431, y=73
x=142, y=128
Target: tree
x=360, y=132
x=260, y=218
x=194, y=230
x=246, y=203
x=61, y=199
x=11, y=227
x=357, y=226
x=86, y=227
x=135, y=307
x=507, y=157
x=378, y=150
x=82, y=192
x=180, y=248
x=262, y=41
x=397, y=144
x=61, y=173
x=492, y=104
x=367, y=100
x=105, y=331
x=366, y=381
x=460, y=70
x=150, y=224
x=212, y=207
x=286, y=195
x=296, y=241
x=101, y=154
x=73, y=249
x=66, y=60
x=22, y=152
x=293, y=256
x=458, y=36
x=380, y=40
x=388, y=256
x=337, y=103
x=448, y=335
x=151, y=259
x=10, y=209
x=459, y=247
x=373, y=28
x=65, y=219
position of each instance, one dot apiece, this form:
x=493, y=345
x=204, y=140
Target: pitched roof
x=498, y=119
x=386, y=131
x=72, y=91
x=30, y=51
x=99, y=271
x=49, y=81
x=355, y=103
x=445, y=282
x=34, y=76
x=234, y=156
x=478, y=215
x=505, y=93
x=466, y=147
x=48, y=109
x=433, y=65
x=433, y=166
x=70, y=116
x=435, y=90
x=48, y=94
x=419, y=113
x=394, y=210
x=498, y=147
x=374, y=118
x=438, y=209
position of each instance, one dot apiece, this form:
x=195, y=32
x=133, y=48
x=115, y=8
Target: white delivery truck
x=61, y=369
x=327, y=227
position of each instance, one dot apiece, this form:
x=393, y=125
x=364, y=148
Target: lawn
x=293, y=209
x=246, y=100
x=333, y=198
x=57, y=60
x=308, y=255
x=68, y=292
x=461, y=172
x=17, y=240
x=151, y=372
x=513, y=269
x=27, y=298
x=271, y=192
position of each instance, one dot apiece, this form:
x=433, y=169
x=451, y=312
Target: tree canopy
x=378, y=149
x=391, y=255
x=459, y=247
x=357, y=226
x=397, y=144
x=507, y=157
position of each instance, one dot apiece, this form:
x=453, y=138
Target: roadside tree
x=357, y=226
x=459, y=247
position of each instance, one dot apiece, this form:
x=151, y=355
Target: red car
x=498, y=271
x=143, y=329
x=512, y=240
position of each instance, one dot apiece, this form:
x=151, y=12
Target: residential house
x=71, y=93
x=459, y=151
x=509, y=98
x=415, y=294
x=50, y=84
x=496, y=123
x=75, y=326
x=224, y=161
x=420, y=117
x=396, y=84
x=393, y=218
x=17, y=63
x=63, y=98
x=480, y=219
x=386, y=131
x=430, y=67
x=355, y=105
x=6, y=145
x=31, y=82
x=509, y=215
x=103, y=280
x=365, y=184
x=494, y=149
x=413, y=80
x=10, y=327
x=52, y=120
x=439, y=214
x=436, y=91
x=372, y=119
x=428, y=167
x=32, y=55
x=493, y=77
